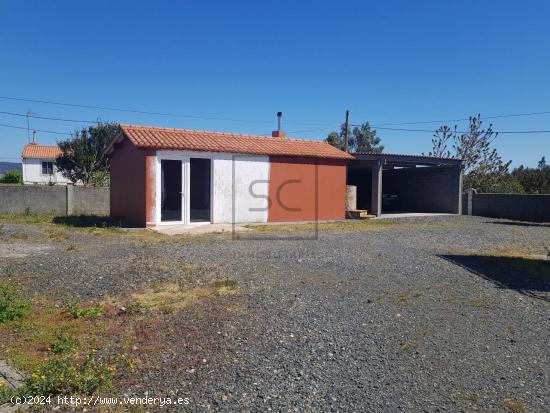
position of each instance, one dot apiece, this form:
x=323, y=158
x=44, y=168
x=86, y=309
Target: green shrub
x=63, y=344
x=13, y=177
x=68, y=376
x=94, y=311
x=12, y=305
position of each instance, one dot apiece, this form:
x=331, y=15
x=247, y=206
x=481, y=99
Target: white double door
x=184, y=190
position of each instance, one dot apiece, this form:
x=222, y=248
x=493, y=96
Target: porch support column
x=376, y=195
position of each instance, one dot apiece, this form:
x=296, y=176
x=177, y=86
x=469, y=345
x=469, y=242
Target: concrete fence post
x=470, y=192
x=70, y=199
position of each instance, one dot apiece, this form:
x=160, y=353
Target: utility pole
x=346, y=133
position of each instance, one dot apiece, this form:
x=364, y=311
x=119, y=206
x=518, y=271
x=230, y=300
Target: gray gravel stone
x=394, y=319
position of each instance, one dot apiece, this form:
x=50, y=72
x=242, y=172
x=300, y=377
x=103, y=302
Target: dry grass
x=171, y=297
x=515, y=406
x=349, y=225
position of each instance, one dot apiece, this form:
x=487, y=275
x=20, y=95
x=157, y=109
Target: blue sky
x=387, y=62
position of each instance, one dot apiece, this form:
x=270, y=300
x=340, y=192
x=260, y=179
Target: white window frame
x=185, y=158
x=42, y=162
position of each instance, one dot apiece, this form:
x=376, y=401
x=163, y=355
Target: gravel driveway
x=405, y=318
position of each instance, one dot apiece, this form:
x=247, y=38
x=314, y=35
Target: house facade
x=162, y=176
x=38, y=165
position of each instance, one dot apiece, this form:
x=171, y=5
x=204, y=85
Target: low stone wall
x=59, y=200
x=511, y=206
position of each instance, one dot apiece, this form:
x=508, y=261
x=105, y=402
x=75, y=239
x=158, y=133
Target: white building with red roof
x=38, y=165
x=163, y=176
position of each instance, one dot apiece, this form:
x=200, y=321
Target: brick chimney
x=279, y=133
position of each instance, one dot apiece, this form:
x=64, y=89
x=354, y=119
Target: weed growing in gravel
x=350, y=225
x=28, y=218
x=408, y=347
x=471, y=397
x=515, y=406
x=225, y=285
x=87, y=312
x=63, y=344
x=171, y=297
x=68, y=376
x=12, y=305
x=405, y=296
x=73, y=248
x=57, y=235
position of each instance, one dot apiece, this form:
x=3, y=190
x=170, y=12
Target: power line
x=513, y=115
x=30, y=115
x=432, y=130
x=145, y=112
x=37, y=130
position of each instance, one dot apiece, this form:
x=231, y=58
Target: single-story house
x=38, y=165
x=162, y=176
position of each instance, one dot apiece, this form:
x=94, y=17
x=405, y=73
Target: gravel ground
x=404, y=318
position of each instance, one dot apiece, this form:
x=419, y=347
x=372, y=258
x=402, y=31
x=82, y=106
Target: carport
x=391, y=183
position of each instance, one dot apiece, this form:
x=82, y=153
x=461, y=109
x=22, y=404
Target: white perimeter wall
x=32, y=172
x=249, y=192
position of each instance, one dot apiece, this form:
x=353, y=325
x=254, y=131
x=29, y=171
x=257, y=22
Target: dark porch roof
x=404, y=160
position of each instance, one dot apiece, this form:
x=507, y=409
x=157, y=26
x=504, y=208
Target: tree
x=12, y=177
x=534, y=180
x=83, y=158
x=366, y=140
x=542, y=163
x=441, y=139
x=484, y=169
x=361, y=139
x=335, y=140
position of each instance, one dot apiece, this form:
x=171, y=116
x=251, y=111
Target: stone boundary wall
x=59, y=200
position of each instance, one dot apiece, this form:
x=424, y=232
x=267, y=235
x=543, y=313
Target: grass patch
x=515, y=406
x=12, y=305
x=349, y=225
x=63, y=344
x=471, y=397
x=56, y=350
x=171, y=297
x=408, y=347
x=66, y=375
x=405, y=296
x=57, y=234
x=27, y=218
x=85, y=312
x=225, y=285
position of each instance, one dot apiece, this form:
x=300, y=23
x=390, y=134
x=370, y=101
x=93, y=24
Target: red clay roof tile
x=147, y=137
x=33, y=150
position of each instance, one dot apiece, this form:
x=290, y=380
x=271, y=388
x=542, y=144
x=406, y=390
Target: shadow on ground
x=527, y=276
x=84, y=221
x=520, y=223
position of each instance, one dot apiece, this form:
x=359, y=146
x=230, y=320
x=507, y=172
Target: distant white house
x=38, y=164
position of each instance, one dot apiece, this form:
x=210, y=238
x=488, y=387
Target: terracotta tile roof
x=33, y=150
x=195, y=140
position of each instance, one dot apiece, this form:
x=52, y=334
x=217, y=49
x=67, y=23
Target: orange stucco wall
x=306, y=189
x=132, y=184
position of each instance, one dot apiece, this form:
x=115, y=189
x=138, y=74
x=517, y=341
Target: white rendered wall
x=248, y=191
x=32, y=172
x=248, y=177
